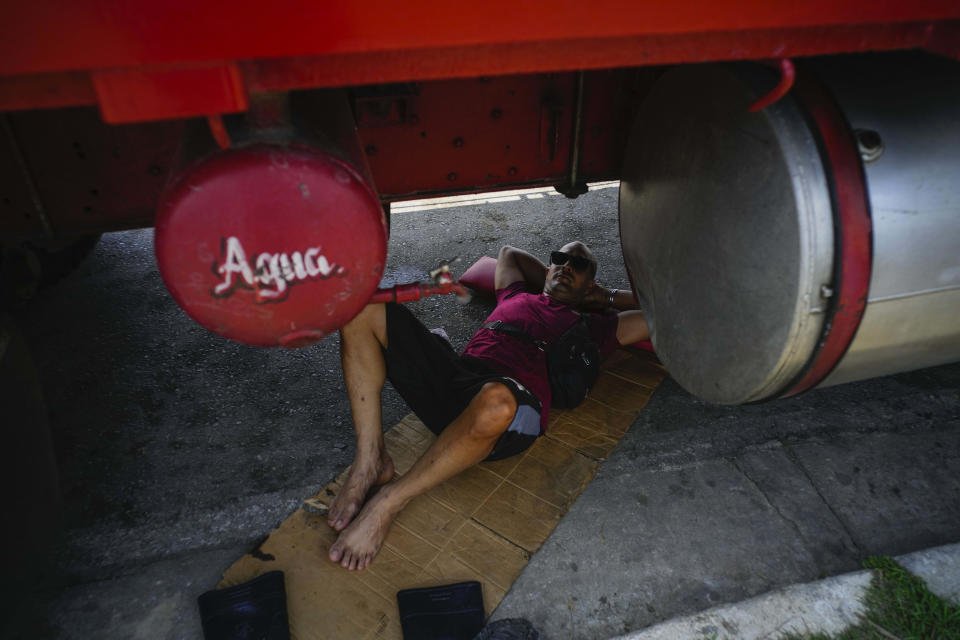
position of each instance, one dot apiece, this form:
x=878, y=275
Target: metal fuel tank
x=906, y=119
x=814, y=242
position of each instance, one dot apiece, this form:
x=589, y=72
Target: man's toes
x=333, y=515
x=342, y=518
x=335, y=553
x=336, y=511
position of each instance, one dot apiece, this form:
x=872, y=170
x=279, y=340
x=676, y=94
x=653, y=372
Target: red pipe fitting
x=787, y=75
x=416, y=291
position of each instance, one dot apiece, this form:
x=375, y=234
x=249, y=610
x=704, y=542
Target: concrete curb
x=825, y=606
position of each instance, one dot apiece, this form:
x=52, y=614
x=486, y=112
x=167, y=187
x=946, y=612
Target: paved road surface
x=180, y=450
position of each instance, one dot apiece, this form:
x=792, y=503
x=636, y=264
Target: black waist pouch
x=451, y=612
x=573, y=360
x=573, y=364
x=254, y=610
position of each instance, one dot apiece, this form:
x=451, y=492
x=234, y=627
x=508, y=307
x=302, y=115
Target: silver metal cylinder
x=731, y=232
x=908, y=108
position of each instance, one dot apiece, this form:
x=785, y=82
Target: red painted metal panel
x=576, y=54
x=154, y=94
x=270, y=62
x=610, y=102
x=465, y=135
x=46, y=91
x=47, y=35
x=461, y=136
x=91, y=176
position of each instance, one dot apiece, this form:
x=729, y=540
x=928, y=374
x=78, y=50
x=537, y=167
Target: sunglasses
x=579, y=263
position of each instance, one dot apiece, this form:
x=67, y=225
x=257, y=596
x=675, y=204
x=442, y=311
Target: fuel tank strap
x=852, y=233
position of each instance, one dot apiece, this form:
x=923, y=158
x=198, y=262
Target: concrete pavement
x=703, y=505
x=826, y=606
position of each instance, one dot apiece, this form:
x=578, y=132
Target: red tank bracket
x=854, y=257
x=136, y=95
x=787, y=75
x=219, y=131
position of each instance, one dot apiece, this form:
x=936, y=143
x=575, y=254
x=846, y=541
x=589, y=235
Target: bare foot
x=361, y=479
x=359, y=543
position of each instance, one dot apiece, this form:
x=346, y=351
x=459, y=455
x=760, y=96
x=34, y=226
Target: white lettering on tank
x=317, y=265
x=234, y=262
x=298, y=268
x=270, y=274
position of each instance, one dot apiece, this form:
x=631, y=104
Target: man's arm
x=631, y=327
x=598, y=299
x=515, y=265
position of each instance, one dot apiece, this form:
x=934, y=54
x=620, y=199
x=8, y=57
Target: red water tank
x=271, y=244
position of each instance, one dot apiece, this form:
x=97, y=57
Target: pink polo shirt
x=544, y=319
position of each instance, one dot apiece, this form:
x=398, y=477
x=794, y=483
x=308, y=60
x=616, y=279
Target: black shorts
x=438, y=383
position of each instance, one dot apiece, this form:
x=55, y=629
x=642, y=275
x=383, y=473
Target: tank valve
x=443, y=282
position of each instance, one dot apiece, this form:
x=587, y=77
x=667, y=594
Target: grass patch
x=898, y=607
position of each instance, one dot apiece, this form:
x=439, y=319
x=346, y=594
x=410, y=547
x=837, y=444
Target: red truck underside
x=447, y=97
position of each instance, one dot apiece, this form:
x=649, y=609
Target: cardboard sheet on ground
x=481, y=525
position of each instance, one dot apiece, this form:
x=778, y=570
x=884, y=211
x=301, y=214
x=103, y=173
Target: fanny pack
x=573, y=361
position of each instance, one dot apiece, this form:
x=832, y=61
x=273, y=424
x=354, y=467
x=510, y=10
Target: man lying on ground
x=488, y=403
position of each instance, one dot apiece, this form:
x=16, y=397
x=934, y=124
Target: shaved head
x=578, y=248
x=566, y=284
